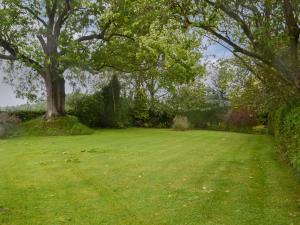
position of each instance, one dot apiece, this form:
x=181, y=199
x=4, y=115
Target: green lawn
x=153, y=177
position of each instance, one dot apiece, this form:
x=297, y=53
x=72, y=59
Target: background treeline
x=113, y=106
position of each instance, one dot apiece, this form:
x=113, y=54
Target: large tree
x=52, y=36
x=264, y=31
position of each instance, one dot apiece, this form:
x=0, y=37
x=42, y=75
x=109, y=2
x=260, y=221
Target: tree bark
x=55, y=87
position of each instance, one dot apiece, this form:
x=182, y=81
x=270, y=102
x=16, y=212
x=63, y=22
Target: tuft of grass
x=59, y=126
x=260, y=129
x=181, y=123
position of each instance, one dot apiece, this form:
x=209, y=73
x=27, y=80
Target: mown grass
x=146, y=177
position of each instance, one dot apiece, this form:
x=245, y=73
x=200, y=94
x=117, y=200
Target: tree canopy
x=264, y=31
x=53, y=36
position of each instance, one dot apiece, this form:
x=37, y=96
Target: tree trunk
x=55, y=87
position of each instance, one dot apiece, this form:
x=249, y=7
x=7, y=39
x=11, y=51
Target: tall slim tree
x=111, y=98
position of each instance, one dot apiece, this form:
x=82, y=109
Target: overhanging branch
x=99, y=36
x=7, y=57
x=34, y=14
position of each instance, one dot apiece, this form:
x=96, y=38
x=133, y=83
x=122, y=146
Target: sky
x=8, y=97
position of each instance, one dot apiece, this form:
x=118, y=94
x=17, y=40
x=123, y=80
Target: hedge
x=284, y=124
x=26, y=115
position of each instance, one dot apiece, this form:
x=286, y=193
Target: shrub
x=115, y=107
x=207, y=118
x=240, y=119
x=87, y=108
x=284, y=123
x=160, y=116
x=140, y=112
x=101, y=109
x=124, y=119
x=2, y=131
x=26, y=115
x=7, y=121
x=181, y=123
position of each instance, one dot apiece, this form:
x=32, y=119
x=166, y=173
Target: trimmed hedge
x=284, y=124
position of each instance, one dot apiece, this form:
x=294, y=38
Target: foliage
x=7, y=121
x=26, y=115
x=257, y=93
x=187, y=97
x=160, y=116
x=67, y=125
x=8, y=118
x=212, y=118
x=112, y=104
x=47, y=40
x=87, y=108
x=181, y=123
x=169, y=55
x=140, y=111
x=284, y=123
x=242, y=27
x=240, y=119
x=105, y=108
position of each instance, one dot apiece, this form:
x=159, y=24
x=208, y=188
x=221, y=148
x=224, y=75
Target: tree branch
x=101, y=35
x=118, y=35
x=35, y=65
x=8, y=47
x=43, y=43
x=7, y=57
x=291, y=22
x=236, y=47
x=235, y=17
x=50, y=11
x=29, y=10
x=15, y=55
x=62, y=18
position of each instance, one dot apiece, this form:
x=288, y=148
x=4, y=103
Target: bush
x=240, y=119
x=87, y=108
x=124, y=119
x=181, y=123
x=284, y=124
x=25, y=115
x=160, y=116
x=7, y=121
x=207, y=119
x=140, y=112
x=115, y=108
x=101, y=109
